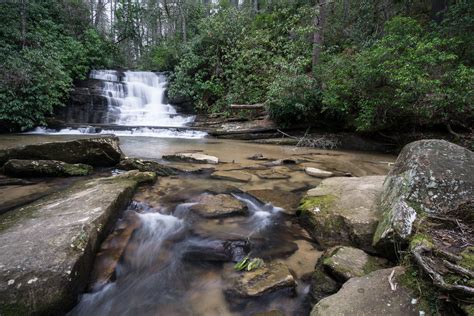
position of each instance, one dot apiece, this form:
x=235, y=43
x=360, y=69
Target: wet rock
x=220, y=205
x=429, y=176
x=348, y=262
x=231, y=176
x=318, y=173
x=281, y=162
x=288, y=201
x=267, y=279
x=270, y=313
x=44, y=168
x=272, y=174
x=192, y=158
x=282, y=249
x=47, y=247
x=146, y=165
x=343, y=211
x=13, y=181
x=258, y=157
x=192, y=168
x=99, y=151
x=216, y=250
x=370, y=295
x=322, y=284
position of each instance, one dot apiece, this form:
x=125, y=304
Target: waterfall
x=136, y=99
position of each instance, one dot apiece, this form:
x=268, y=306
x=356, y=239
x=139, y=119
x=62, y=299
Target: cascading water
x=136, y=99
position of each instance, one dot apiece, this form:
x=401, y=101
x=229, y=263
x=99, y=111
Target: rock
x=99, y=151
x=258, y=156
x=219, y=205
x=429, y=176
x=318, y=173
x=216, y=250
x=270, y=313
x=47, y=247
x=272, y=174
x=146, y=165
x=231, y=176
x=13, y=181
x=44, y=168
x=288, y=201
x=192, y=158
x=322, y=284
x=347, y=262
x=370, y=295
x=267, y=279
x=343, y=211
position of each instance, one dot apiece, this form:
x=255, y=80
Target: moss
x=309, y=203
x=467, y=260
x=427, y=293
x=421, y=240
x=14, y=310
x=468, y=309
x=77, y=169
x=372, y=265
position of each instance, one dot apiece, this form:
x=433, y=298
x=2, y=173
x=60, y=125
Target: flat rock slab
x=44, y=168
x=219, y=205
x=272, y=174
x=47, y=247
x=370, y=295
x=269, y=278
x=288, y=201
x=347, y=262
x=99, y=151
x=318, y=173
x=146, y=166
x=193, y=158
x=231, y=176
x=343, y=210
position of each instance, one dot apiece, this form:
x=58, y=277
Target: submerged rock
x=47, y=247
x=264, y=280
x=219, y=205
x=44, y=168
x=99, y=151
x=370, y=295
x=192, y=158
x=429, y=176
x=236, y=176
x=146, y=165
x=318, y=173
x=272, y=174
x=343, y=210
x=216, y=250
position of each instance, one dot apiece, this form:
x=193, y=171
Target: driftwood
x=257, y=106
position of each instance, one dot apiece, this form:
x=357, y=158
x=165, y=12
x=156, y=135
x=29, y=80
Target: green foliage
x=248, y=264
x=40, y=64
x=406, y=78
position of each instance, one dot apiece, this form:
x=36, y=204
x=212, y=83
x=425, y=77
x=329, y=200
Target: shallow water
x=155, y=275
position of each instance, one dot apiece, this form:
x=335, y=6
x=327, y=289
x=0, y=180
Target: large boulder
x=432, y=177
x=99, y=151
x=343, y=211
x=219, y=205
x=378, y=293
x=44, y=168
x=339, y=264
x=47, y=247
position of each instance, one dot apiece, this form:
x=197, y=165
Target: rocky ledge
x=47, y=247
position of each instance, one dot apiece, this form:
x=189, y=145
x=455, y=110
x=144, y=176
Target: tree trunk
x=318, y=35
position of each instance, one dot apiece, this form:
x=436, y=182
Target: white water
x=136, y=99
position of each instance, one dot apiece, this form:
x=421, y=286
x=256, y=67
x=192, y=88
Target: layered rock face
x=100, y=151
x=48, y=246
x=44, y=168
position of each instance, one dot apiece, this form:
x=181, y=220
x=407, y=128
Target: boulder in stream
x=192, y=158
x=378, y=293
x=44, y=168
x=343, y=211
x=318, y=173
x=269, y=278
x=216, y=250
x=146, y=166
x=98, y=151
x=47, y=247
x=219, y=205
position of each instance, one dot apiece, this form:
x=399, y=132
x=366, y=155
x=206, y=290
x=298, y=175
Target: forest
x=361, y=66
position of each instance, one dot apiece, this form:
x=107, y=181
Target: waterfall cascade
x=136, y=99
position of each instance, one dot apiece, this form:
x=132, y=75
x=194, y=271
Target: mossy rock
x=44, y=168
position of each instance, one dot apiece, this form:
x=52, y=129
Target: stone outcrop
x=378, y=293
x=269, y=278
x=192, y=158
x=44, y=168
x=219, y=205
x=146, y=166
x=343, y=211
x=429, y=177
x=47, y=247
x=339, y=264
x=99, y=151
